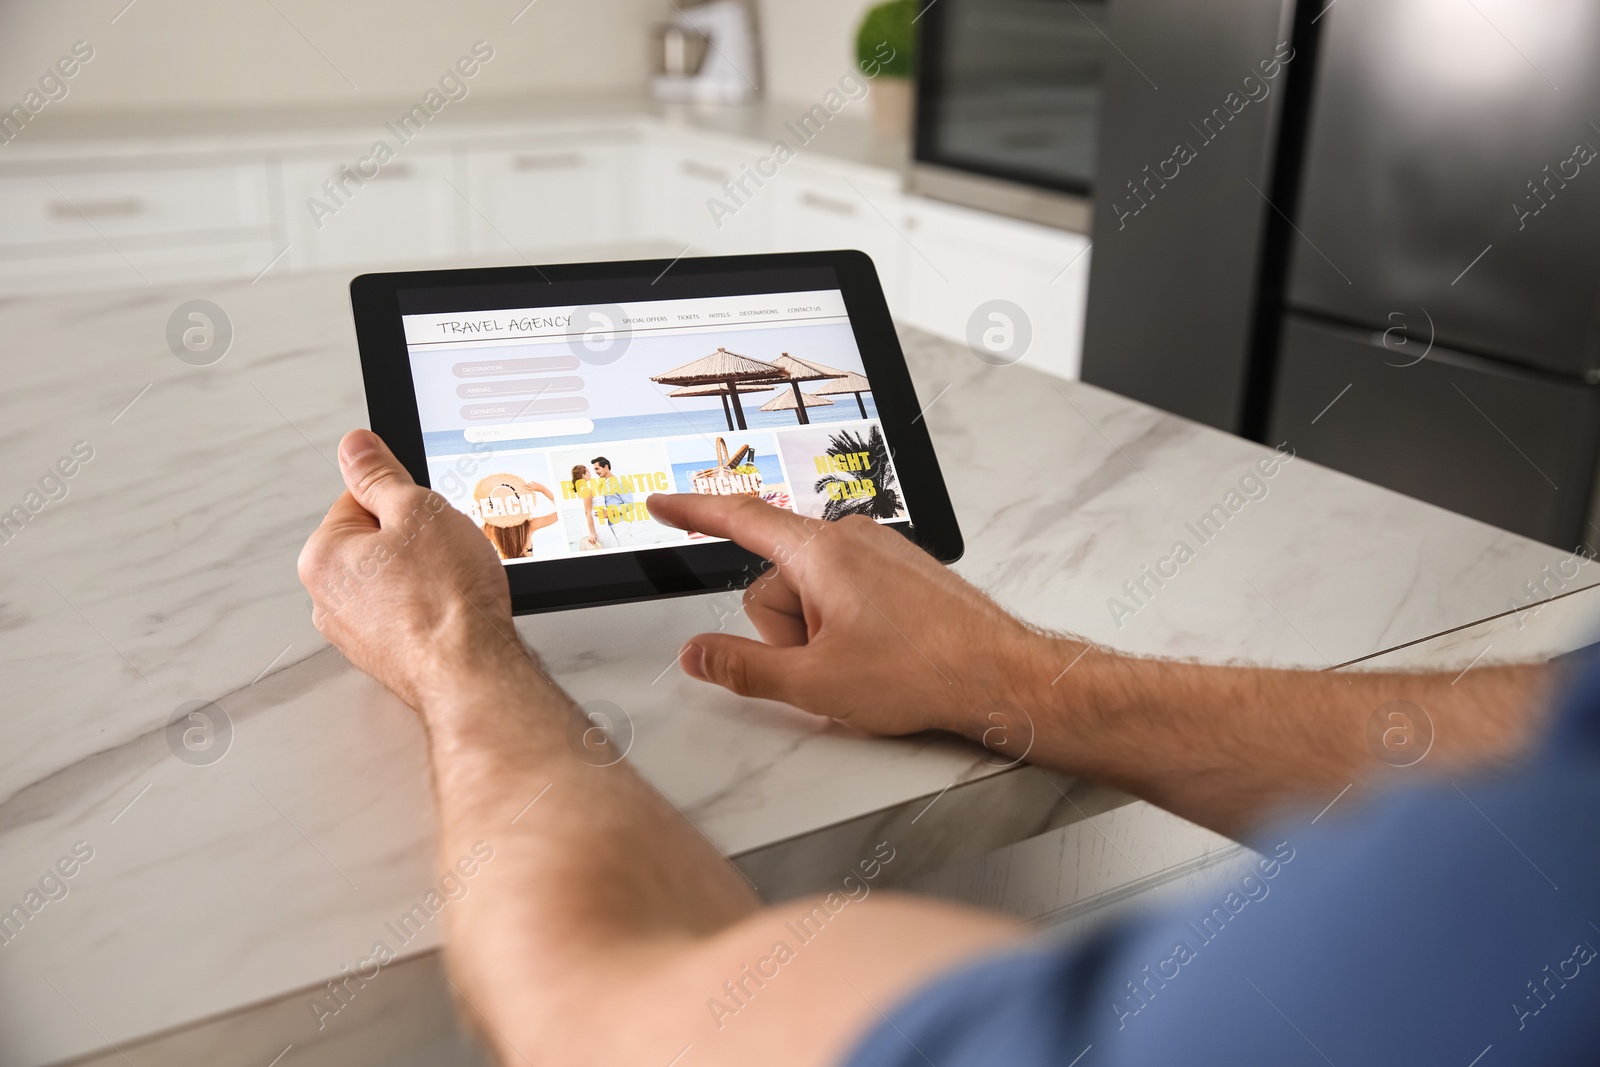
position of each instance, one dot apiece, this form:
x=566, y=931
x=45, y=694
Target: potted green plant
x=886, y=46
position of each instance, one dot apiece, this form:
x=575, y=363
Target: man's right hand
x=858, y=624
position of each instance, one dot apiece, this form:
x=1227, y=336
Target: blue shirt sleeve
x=1445, y=923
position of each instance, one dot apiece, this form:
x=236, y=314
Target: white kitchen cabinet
x=78, y=226
x=525, y=191
x=688, y=180
x=140, y=204
x=411, y=211
x=818, y=210
x=958, y=259
x=535, y=195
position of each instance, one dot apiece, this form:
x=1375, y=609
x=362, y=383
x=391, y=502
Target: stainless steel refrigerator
x=1416, y=298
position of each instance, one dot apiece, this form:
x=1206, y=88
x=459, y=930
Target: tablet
x=548, y=402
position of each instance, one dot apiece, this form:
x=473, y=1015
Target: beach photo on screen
x=690, y=381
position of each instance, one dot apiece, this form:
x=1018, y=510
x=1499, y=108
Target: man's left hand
x=402, y=583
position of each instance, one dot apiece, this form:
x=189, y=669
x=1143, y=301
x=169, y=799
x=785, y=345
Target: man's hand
x=399, y=580
x=861, y=626
x=858, y=623
x=601, y=903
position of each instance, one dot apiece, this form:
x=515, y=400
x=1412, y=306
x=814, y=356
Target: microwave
x=1008, y=106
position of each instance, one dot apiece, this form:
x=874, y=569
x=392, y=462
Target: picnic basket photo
x=731, y=476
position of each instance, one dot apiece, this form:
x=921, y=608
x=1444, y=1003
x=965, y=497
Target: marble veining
x=166, y=575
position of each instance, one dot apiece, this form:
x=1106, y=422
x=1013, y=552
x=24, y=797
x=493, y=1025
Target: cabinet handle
x=386, y=172
x=95, y=209
x=704, y=171
x=555, y=161
x=827, y=203
x=390, y=172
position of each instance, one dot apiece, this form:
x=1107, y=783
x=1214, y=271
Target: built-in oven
x=1008, y=106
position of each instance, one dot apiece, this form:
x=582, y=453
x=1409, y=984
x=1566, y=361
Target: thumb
x=749, y=668
x=375, y=478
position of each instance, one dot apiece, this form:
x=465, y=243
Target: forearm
x=587, y=921
x=593, y=872
x=602, y=904
x=1223, y=745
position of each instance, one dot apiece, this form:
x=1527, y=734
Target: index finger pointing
x=773, y=533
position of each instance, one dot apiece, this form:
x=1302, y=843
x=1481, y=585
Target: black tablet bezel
x=379, y=300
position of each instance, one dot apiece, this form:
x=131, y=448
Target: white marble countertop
x=166, y=575
x=848, y=138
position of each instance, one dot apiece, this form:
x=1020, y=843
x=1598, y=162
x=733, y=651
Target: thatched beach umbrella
x=785, y=402
x=848, y=382
x=723, y=391
x=722, y=368
x=797, y=371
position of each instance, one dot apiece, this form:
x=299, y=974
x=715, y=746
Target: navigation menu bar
x=598, y=322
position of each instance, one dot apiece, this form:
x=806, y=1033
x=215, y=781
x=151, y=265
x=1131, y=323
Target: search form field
x=527, y=431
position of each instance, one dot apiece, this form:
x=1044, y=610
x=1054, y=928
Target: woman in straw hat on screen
x=510, y=510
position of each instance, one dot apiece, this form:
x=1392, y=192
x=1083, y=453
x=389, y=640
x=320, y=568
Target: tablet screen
x=550, y=426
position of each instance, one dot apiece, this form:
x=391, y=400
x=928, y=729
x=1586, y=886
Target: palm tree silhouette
x=885, y=502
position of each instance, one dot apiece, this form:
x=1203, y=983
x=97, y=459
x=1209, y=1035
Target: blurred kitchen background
x=1370, y=231
x=1366, y=229
x=194, y=142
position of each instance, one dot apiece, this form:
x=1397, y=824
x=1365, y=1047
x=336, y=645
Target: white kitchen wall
x=808, y=44
x=185, y=54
